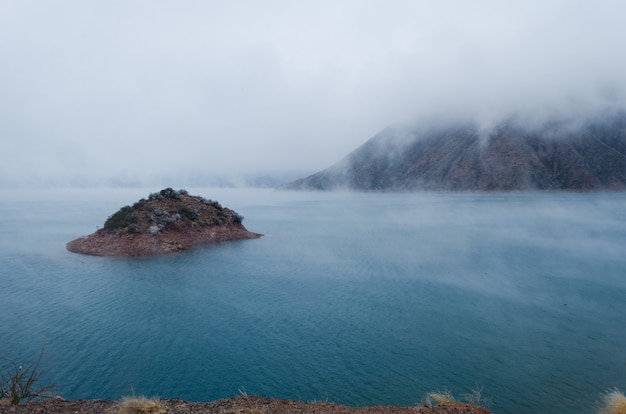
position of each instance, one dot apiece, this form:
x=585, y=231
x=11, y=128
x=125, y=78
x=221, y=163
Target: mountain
x=577, y=156
x=168, y=221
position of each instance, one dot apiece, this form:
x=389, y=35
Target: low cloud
x=148, y=89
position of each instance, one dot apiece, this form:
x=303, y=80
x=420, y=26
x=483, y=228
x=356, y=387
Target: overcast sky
x=143, y=89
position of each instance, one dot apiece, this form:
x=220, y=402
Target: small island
x=168, y=221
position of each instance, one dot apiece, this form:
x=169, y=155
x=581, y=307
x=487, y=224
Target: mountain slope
x=556, y=156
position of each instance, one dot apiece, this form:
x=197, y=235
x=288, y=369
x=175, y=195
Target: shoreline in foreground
x=239, y=404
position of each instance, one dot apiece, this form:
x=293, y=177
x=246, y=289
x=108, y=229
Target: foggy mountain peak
x=558, y=154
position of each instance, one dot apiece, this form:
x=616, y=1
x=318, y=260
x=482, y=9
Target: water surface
x=353, y=298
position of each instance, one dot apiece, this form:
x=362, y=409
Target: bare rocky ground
x=234, y=405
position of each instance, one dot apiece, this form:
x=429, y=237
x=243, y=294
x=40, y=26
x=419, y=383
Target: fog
x=194, y=93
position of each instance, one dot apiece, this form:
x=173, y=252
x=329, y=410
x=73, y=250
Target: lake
x=354, y=298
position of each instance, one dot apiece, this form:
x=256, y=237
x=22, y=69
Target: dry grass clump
x=140, y=405
x=614, y=402
x=476, y=397
x=444, y=397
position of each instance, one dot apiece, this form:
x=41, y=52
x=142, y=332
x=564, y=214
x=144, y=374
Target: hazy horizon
x=152, y=93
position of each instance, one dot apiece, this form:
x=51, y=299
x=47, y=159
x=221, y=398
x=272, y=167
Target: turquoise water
x=353, y=298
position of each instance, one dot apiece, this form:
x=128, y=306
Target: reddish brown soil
x=103, y=243
x=235, y=405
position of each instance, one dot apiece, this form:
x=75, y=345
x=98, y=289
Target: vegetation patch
x=122, y=219
x=445, y=397
x=188, y=214
x=20, y=382
x=140, y=405
x=613, y=402
x=166, y=207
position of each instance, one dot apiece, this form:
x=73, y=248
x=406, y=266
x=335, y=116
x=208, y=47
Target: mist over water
x=118, y=94
x=352, y=298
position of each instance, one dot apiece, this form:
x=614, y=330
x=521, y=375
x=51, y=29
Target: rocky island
x=168, y=221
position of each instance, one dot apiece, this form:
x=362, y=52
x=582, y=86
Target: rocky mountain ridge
x=588, y=156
